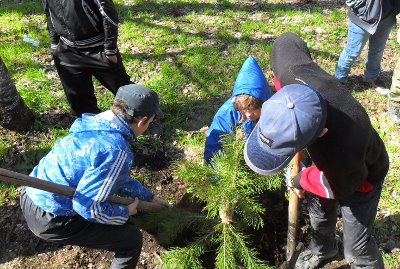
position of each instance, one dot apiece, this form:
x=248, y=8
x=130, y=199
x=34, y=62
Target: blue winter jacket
x=251, y=81
x=95, y=158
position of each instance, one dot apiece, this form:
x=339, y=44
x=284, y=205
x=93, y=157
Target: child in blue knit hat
x=242, y=108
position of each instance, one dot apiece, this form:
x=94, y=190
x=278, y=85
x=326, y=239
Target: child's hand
x=132, y=208
x=112, y=58
x=160, y=201
x=299, y=193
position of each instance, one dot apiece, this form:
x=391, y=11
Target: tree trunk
x=14, y=114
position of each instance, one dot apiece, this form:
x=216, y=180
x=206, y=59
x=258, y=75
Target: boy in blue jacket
x=95, y=158
x=242, y=108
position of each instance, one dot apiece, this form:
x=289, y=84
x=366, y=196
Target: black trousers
x=125, y=240
x=358, y=214
x=76, y=67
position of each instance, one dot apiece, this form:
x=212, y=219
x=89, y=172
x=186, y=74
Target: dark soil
x=21, y=249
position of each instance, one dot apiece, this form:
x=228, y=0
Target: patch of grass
x=190, y=139
x=30, y=158
x=3, y=148
x=58, y=133
x=142, y=178
x=7, y=193
x=39, y=92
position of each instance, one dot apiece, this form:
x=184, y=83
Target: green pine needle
x=228, y=185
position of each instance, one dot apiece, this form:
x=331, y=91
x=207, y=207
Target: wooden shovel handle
x=24, y=180
x=293, y=211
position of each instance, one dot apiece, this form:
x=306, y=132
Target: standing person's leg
x=356, y=40
x=323, y=245
x=358, y=214
x=78, y=87
x=76, y=80
x=376, y=47
x=113, y=75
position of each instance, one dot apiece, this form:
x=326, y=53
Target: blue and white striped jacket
x=95, y=158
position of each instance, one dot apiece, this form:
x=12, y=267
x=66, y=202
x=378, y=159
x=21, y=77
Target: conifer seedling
x=228, y=189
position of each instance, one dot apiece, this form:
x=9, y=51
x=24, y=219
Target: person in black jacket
x=369, y=21
x=314, y=111
x=83, y=36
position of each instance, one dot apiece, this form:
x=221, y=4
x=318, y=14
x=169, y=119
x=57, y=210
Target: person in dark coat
x=83, y=35
x=313, y=111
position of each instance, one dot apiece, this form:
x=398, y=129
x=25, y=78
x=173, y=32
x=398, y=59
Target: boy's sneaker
x=307, y=260
x=379, y=85
x=394, y=112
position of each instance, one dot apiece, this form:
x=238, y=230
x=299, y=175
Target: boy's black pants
x=76, y=67
x=358, y=214
x=125, y=240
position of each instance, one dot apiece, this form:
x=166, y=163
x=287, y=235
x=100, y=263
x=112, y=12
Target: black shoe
x=379, y=85
x=307, y=260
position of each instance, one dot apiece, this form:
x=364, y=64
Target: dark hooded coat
x=351, y=152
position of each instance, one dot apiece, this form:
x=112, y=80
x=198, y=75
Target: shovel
x=294, y=169
x=24, y=180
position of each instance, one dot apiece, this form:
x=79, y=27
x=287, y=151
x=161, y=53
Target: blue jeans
x=356, y=40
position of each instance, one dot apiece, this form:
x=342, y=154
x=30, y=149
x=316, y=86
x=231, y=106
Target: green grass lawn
x=190, y=53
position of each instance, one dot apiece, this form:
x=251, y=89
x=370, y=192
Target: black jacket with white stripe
x=83, y=23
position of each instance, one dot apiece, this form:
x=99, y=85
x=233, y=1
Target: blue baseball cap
x=290, y=120
x=141, y=101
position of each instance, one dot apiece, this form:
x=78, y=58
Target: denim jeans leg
x=356, y=40
x=376, y=47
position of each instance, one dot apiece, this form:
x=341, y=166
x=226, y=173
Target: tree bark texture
x=14, y=114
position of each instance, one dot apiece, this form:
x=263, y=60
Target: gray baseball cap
x=141, y=100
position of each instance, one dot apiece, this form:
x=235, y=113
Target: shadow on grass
x=53, y=119
x=180, y=8
x=387, y=233
x=23, y=161
x=20, y=160
x=215, y=41
x=356, y=84
x=194, y=114
x=26, y=7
